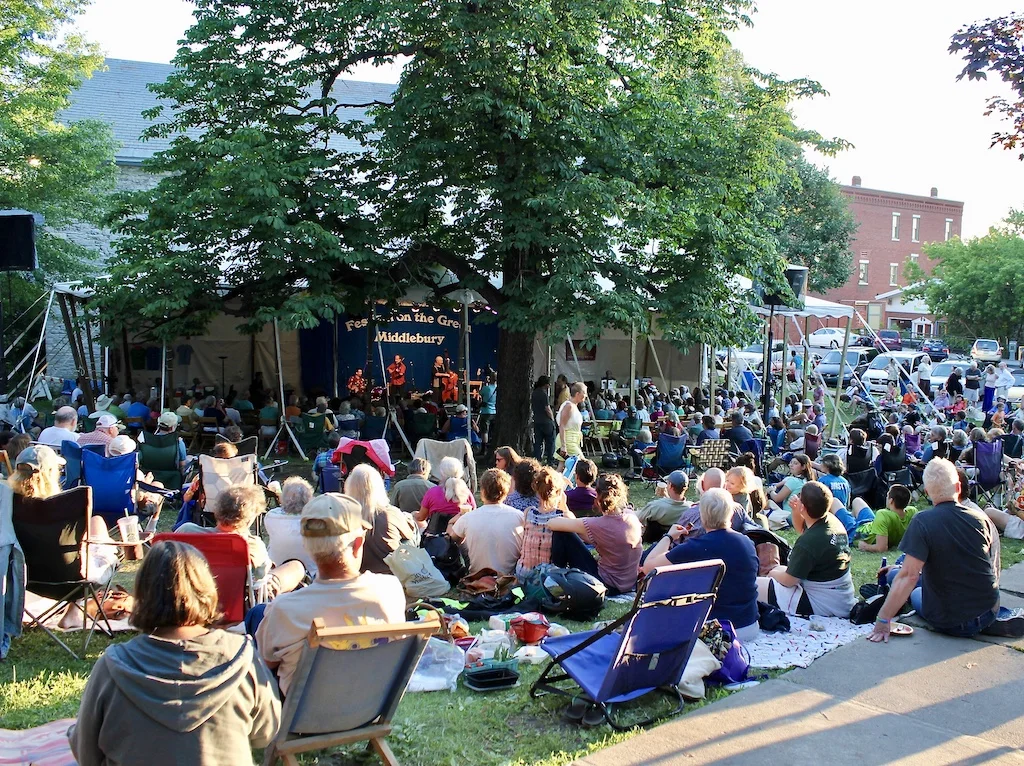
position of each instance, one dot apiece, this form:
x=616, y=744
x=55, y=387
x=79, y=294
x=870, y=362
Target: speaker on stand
x=17, y=253
x=796, y=280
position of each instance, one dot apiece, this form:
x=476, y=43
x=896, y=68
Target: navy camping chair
x=72, y=454
x=330, y=479
x=113, y=483
x=607, y=667
x=757, y=447
x=671, y=453
x=988, y=479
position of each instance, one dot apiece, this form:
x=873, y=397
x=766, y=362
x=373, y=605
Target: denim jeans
x=544, y=442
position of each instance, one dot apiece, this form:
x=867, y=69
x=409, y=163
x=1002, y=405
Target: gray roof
x=118, y=95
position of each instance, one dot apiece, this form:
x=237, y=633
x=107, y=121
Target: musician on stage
x=439, y=377
x=357, y=385
x=396, y=377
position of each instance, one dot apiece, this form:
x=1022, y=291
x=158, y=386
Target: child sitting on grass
x=886, y=531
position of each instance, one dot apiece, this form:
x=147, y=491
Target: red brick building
x=893, y=229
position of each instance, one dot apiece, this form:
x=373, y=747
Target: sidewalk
x=927, y=699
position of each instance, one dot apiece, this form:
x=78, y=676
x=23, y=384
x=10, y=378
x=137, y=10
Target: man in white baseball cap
x=333, y=531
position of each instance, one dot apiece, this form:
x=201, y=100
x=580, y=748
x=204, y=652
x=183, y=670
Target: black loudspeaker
x=17, y=241
x=796, y=278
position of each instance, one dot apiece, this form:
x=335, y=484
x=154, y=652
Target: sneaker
x=1009, y=624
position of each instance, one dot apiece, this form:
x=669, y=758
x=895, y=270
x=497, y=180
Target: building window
x=949, y=229
x=862, y=273
x=915, y=229
x=913, y=258
x=894, y=274
x=875, y=315
x=895, y=227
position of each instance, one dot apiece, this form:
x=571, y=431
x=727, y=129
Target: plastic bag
x=417, y=573
x=438, y=668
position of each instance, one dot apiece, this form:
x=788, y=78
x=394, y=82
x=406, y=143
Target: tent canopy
x=813, y=307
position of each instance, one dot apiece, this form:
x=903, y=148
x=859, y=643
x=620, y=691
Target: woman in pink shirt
x=443, y=503
x=616, y=535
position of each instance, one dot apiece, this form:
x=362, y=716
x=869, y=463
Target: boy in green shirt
x=890, y=523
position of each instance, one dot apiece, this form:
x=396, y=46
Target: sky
x=892, y=87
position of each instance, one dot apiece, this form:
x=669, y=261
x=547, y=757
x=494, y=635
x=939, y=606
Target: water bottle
x=883, y=583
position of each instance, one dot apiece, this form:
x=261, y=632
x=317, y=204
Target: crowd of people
x=326, y=555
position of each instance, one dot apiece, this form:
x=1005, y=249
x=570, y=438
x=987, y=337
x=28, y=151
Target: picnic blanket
x=39, y=604
x=802, y=645
x=45, y=745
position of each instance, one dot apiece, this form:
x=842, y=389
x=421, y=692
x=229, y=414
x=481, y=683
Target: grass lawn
x=40, y=683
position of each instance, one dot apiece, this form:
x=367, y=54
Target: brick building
x=893, y=229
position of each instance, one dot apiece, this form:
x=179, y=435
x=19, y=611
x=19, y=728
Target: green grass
x=41, y=683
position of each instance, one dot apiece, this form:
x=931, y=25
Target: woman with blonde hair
x=391, y=527
x=616, y=534
x=182, y=687
x=746, y=491
x=445, y=501
x=570, y=421
x=283, y=524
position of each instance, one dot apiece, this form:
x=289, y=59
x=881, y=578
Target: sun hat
x=103, y=402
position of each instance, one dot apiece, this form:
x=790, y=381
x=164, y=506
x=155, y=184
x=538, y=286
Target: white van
x=877, y=376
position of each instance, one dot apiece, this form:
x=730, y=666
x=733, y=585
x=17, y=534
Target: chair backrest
x=862, y=483
x=812, y=444
x=1013, y=445
x=434, y=451
x=715, y=453
x=424, y=424
x=913, y=442
x=330, y=479
x=313, y=424
x=51, y=533
x=373, y=427
x=207, y=425
x=658, y=635
x=378, y=660
x=218, y=474
x=670, y=451
x=988, y=457
x=113, y=482
x=158, y=455
x=228, y=557
x=755, y=446
x=72, y=454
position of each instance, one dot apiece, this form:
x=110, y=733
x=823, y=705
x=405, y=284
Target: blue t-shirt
x=138, y=410
x=737, y=595
x=838, y=485
x=706, y=434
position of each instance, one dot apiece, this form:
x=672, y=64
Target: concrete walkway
x=927, y=699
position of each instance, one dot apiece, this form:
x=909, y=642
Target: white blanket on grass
x=802, y=645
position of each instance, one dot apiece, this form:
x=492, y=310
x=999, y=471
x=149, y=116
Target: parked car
x=753, y=354
x=857, y=361
x=936, y=348
x=864, y=339
x=877, y=376
x=891, y=338
x=941, y=371
x=1016, y=391
x=986, y=350
x=827, y=337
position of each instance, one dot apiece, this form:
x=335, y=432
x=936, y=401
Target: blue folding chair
x=330, y=479
x=757, y=447
x=113, y=482
x=988, y=480
x=569, y=469
x=671, y=453
x=607, y=667
x=72, y=454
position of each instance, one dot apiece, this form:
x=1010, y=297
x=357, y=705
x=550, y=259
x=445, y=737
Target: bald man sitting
x=713, y=478
x=65, y=420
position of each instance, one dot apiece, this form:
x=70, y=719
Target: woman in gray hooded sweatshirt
x=182, y=692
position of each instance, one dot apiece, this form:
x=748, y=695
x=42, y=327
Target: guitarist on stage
x=396, y=377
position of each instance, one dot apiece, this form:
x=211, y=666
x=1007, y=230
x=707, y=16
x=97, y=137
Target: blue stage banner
x=417, y=335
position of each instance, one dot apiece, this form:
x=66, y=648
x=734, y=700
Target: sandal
x=575, y=711
x=593, y=718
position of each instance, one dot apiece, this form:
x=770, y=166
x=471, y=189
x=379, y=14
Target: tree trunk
x=515, y=384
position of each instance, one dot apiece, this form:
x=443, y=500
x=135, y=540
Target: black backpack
x=446, y=555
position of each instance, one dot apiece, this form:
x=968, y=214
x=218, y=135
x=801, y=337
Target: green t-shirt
x=890, y=524
x=822, y=552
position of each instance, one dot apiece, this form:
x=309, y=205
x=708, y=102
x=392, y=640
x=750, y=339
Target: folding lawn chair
x=353, y=452
x=72, y=454
x=311, y=432
x=373, y=428
x=218, y=474
x=988, y=479
x=228, y=557
x=756, y=446
x=205, y=435
x=424, y=426
x=435, y=451
x=158, y=455
x=1013, y=446
x=651, y=651
x=671, y=453
x=378, y=660
x=112, y=480
x=54, y=534
x=862, y=485
x=330, y=479
x=714, y=453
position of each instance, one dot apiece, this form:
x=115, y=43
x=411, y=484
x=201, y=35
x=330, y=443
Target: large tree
x=977, y=286
x=574, y=164
x=997, y=45
x=62, y=170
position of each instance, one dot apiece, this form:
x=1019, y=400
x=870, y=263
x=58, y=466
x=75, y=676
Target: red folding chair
x=228, y=557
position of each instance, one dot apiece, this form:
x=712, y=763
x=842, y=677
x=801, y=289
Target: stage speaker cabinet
x=17, y=241
x=796, y=278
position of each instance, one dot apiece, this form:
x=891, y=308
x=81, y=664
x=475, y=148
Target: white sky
x=892, y=85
